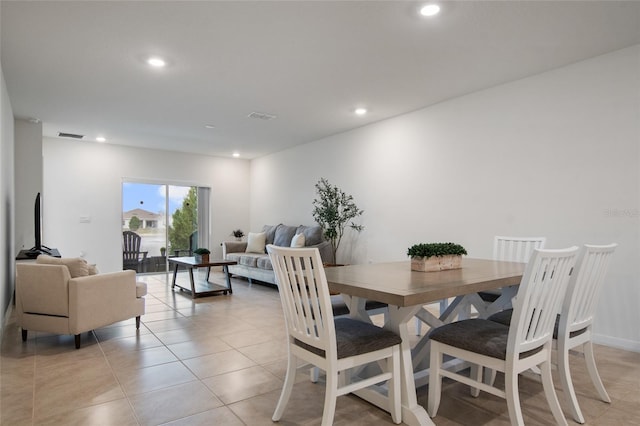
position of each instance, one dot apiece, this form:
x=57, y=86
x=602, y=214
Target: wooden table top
x=396, y=284
x=190, y=261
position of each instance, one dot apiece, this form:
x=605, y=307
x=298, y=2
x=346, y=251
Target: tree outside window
x=184, y=222
x=134, y=223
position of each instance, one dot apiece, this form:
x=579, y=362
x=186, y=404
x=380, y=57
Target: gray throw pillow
x=284, y=234
x=270, y=230
x=312, y=234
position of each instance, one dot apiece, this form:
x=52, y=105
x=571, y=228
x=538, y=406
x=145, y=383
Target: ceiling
x=79, y=67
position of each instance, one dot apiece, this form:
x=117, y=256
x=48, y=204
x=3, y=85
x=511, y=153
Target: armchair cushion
x=77, y=266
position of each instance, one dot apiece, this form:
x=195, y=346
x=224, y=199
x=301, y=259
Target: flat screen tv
x=38, y=248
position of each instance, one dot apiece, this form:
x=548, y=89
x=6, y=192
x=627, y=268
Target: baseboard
x=616, y=342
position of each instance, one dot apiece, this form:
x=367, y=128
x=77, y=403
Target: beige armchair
x=49, y=298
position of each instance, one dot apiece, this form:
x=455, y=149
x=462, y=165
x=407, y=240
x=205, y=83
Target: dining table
x=406, y=293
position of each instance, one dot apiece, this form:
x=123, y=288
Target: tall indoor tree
x=332, y=210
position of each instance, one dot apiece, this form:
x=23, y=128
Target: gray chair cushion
x=504, y=317
x=477, y=335
x=283, y=235
x=356, y=337
x=340, y=308
x=312, y=234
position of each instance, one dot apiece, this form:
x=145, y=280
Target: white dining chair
x=333, y=345
x=510, y=249
x=516, y=249
x=526, y=343
x=573, y=326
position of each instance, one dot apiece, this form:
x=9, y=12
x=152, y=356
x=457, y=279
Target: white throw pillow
x=256, y=242
x=297, y=241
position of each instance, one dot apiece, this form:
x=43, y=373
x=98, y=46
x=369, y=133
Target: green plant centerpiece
x=202, y=255
x=238, y=234
x=332, y=210
x=436, y=256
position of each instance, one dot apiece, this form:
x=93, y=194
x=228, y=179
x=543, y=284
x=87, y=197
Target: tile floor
x=221, y=360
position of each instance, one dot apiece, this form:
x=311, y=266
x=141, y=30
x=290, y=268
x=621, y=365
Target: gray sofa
x=257, y=266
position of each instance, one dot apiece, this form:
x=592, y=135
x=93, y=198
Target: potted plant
x=332, y=210
x=163, y=251
x=201, y=255
x=238, y=234
x=436, y=256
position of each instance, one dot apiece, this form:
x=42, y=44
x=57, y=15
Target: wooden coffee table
x=207, y=288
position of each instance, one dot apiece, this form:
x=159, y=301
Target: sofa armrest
x=326, y=251
x=233, y=247
x=102, y=299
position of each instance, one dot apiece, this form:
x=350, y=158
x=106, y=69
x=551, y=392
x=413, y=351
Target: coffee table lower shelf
x=204, y=289
x=201, y=288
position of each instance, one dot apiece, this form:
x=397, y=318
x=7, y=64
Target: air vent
x=70, y=135
x=261, y=116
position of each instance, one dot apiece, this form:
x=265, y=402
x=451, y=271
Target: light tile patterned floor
x=221, y=360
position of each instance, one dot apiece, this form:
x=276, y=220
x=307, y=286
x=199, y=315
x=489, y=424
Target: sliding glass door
x=160, y=221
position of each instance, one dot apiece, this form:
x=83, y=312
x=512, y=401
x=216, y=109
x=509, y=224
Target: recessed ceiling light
x=209, y=126
x=156, y=62
x=101, y=139
x=236, y=154
x=360, y=111
x=430, y=10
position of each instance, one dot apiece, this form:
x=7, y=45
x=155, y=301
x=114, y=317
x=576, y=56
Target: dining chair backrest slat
x=539, y=298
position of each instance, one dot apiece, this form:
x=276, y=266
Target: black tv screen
x=37, y=222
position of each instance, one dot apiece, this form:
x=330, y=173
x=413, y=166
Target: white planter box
x=436, y=263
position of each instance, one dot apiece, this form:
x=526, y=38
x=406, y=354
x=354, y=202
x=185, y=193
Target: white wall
x=28, y=179
x=85, y=179
x=7, y=245
x=554, y=155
